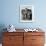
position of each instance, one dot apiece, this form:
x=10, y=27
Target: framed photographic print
x=26, y=13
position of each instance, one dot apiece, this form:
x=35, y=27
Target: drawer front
x=33, y=40
x=13, y=33
x=12, y=44
x=34, y=33
x=12, y=39
x=37, y=39
x=37, y=45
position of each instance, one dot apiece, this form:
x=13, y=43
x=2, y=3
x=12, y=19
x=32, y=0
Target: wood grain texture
x=34, y=39
x=13, y=39
x=23, y=38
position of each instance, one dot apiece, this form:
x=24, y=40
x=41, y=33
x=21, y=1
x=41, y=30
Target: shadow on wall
x=2, y=26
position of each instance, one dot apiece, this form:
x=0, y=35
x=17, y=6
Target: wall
x=9, y=13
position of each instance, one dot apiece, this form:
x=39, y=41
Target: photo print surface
x=26, y=13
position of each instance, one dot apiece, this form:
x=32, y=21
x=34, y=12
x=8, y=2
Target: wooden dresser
x=23, y=38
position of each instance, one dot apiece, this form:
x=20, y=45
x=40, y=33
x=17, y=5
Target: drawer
x=34, y=33
x=37, y=39
x=13, y=33
x=12, y=39
x=9, y=45
x=12, y=44
x=37, y=44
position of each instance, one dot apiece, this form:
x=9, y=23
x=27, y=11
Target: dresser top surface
x=22, y=30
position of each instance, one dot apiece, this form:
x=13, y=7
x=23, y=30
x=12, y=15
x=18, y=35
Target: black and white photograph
x=26, y=13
